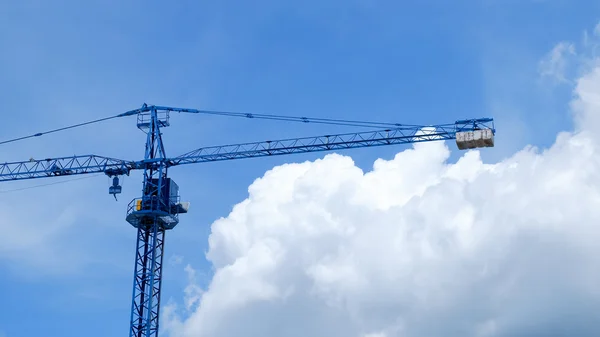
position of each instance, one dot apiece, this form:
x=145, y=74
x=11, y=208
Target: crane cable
x=313, y=120
x=57, y=130
x=48, y=184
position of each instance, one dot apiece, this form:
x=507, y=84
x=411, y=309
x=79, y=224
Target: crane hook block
x=115, y=188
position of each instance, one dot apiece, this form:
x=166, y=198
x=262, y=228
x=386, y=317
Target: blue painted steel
x=403, y=135
x=112, y=167
x=52, y=167
x=158, y=208
x=147, y=282
x=151, y=220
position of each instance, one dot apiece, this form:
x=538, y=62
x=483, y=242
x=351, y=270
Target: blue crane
x=159, y=207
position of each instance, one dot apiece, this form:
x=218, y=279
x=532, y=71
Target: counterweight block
x=474, y=139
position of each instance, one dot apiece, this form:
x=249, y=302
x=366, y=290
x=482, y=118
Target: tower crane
x=159, y=207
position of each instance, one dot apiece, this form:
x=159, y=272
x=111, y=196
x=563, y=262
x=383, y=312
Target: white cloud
x=42, y=236
x=193, y=292
x=415, y=247
x=176, y=260
x=555, y=63
x=34, y=243
x=379, y=334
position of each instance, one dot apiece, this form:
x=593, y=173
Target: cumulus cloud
x=417, y=246
x=565, y=62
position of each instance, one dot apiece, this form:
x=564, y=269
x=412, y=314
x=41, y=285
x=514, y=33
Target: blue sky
x=66, y=267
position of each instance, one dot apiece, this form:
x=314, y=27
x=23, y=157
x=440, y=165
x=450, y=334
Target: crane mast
x=158, y=208
x=151, y=219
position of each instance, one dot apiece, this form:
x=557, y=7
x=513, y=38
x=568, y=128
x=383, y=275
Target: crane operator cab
x=163, y=206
